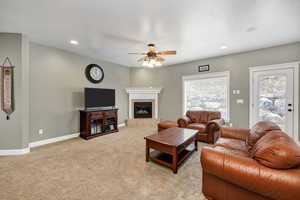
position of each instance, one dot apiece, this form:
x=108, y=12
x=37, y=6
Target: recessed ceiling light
x=251, y=29
x=74, y=42
x=223, y=47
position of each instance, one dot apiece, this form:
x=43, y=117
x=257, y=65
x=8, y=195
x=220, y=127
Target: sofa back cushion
x=197, y=116
x=259, y=130
x=214, y=115
x=202, y=116
x=276, y=150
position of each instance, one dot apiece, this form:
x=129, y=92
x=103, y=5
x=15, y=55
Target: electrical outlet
x=41, y=131
x=240, y=101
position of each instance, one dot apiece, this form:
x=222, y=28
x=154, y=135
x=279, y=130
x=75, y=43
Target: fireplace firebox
x=142, y=109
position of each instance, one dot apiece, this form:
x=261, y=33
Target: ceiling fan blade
x=142, y=59
x=161, y=59
x=138, y=53
x=167, y=53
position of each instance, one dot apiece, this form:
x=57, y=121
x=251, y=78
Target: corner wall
x=14, y=132
x=49, y=85
x=56, y=90
x=170, y=78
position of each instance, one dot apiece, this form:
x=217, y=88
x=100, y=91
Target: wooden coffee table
x=172, y=146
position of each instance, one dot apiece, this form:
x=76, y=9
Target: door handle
x=290, y=110
x=289, y=104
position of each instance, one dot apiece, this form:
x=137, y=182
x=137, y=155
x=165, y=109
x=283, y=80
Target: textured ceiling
x=108, y=30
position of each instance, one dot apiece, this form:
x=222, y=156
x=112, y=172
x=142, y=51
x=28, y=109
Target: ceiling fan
x=153, y=57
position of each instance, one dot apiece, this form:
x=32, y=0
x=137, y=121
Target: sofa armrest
x=247, y=173
x=213, y=129
x=235, y=133
x=183, y=122
x=218, y=122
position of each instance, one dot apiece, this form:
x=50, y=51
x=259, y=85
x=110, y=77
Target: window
x=207, y=92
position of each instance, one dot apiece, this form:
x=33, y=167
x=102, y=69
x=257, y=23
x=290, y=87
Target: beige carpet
x=110, y=167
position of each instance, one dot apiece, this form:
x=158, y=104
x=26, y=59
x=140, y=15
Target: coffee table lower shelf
x=167, y=159
x=171, y=160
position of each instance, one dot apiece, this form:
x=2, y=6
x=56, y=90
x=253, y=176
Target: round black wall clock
x=94, y=73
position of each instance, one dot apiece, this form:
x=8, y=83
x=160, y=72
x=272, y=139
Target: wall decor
x=7, y=88
x=94, y=73
x=203, y=68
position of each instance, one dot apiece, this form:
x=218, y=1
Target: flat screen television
x=99, y=98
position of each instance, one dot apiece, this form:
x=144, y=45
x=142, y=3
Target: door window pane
x=272, y=99
x=209, y=94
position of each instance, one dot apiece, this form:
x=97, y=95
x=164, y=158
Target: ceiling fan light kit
x=153, y=58
x=151, y=63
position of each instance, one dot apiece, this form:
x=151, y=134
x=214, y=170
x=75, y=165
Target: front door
x=273, y=97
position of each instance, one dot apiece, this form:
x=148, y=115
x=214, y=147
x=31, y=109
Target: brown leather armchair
x=262, y=163
x=207, y=123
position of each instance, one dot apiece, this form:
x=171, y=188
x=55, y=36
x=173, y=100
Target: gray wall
x=170, y=78
x=56, y=84
x=49, y=86
x=14, y=132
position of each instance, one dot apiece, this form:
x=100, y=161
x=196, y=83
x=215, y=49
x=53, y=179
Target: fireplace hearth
x=142, y=109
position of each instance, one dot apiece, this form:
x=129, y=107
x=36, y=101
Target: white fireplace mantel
x=141, y=94
x=147, y=90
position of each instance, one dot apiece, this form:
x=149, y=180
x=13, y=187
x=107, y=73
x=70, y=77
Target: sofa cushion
x=233, y=144
x=197, y=116
x=214, y=115
x=259, y=130
x=276, y=150
x=198, y=126
x=232, y=151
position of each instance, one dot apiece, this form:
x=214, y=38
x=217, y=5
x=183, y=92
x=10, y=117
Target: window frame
x=225, y=74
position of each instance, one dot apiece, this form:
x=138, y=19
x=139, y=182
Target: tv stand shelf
x=94, y=123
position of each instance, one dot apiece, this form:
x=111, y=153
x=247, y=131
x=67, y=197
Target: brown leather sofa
x=207, y=123
x=258, y=164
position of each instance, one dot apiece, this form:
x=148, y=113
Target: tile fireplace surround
x=143, y=95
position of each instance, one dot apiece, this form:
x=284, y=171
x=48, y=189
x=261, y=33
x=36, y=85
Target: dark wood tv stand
x=94, y=123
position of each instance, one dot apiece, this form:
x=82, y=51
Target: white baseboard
x=42, y=142
x=12, y=152
x=61, y=138
x=52, y=140
x=122, y=125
